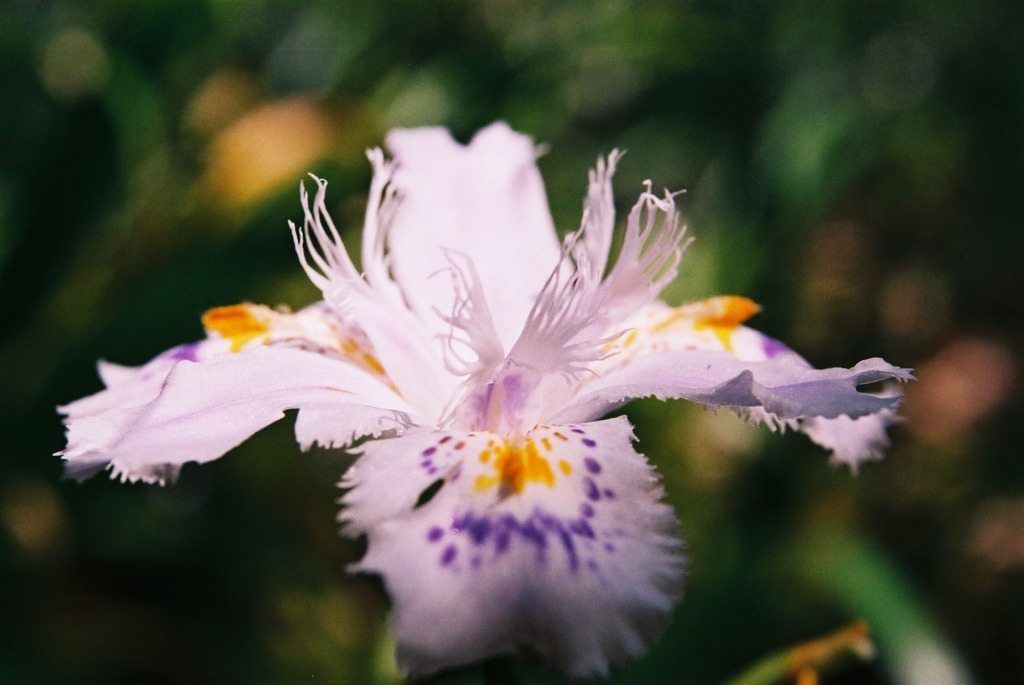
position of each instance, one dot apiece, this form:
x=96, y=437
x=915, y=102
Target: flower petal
x=556, y=542
x=177, y=409
x=700, y=352
x=485, y=200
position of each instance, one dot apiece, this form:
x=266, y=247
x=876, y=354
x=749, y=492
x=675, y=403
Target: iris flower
x=475, y=355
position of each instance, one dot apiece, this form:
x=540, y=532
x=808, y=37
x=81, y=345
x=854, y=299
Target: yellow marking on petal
x=560, y=436
x=373, y=364
x=629, y=339
x=485, y=456
x=546, y=443
x=349, y=346
x=515, y=466
x=238, y=323
x=564, y=465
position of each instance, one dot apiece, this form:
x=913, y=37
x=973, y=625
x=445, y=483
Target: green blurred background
x=853, y=165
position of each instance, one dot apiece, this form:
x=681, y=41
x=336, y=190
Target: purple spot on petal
x=448, y=556
x=186, y=353
x=582, y=528
x=609, y=547
x=590, y=490
x=542, y=531
x=772, y=347
x=533, y=534
x=609, y=493
x=461, y=521
x=429, y=451
x=431, y=470
x=591, y=564
x=479, y=529
x=502, y=539
x=589, y=443
x=592, y=465
x=555, y=525
x=577, y=430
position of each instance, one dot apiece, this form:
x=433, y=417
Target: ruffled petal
x=556, y=542
x=779, y=390
x=784, y=386
x=851, y=441
x=177, y=409
x=485, y=200
x=702, y=353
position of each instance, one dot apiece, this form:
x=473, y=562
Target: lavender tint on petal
x=515, y=394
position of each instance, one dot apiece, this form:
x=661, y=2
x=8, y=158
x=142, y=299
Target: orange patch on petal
x=722, y=315
x=515, y=467
x=726, y=311
x=238, y=323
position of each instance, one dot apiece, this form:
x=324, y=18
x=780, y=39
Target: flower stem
x=802, y=664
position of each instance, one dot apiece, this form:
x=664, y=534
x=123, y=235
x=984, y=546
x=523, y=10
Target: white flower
x=481, y=355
